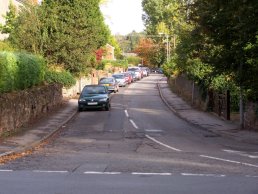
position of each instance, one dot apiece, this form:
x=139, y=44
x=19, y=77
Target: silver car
x=110, y=82
x=120, y=78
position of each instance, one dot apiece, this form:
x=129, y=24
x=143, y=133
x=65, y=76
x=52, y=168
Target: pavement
x=40, y=131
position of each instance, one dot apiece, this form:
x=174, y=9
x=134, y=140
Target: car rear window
x=106, y=80
x=94, y=90
x=119, y=76
x=133, y=69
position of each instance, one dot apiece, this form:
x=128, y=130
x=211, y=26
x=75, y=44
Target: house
x=110, y=52
x=4, y=7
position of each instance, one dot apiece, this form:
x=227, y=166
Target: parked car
x=137, y=71
x=128, y=77
x=94, y=96
x=134, y=76
x=110, y=82
x=146, y=71
x=120, y=78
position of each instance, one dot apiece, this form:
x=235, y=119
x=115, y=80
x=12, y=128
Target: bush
x=5, y=46
x=8, y=71
x=134, y=60
x=63, y=77
x=31, y=70
x=19, y=71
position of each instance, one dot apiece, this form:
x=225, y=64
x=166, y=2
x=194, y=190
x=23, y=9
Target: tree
x=65, y=32
x=9, y=19
x=150, y=52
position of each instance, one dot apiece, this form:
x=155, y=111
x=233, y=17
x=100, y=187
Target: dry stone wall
x=19, y=108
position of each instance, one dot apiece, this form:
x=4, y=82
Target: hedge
x=63, y=77
x=20, y=70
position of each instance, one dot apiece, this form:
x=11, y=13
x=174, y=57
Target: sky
x=123, y=16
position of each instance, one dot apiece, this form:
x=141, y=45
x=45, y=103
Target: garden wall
x=19, y=108
x=189, y=91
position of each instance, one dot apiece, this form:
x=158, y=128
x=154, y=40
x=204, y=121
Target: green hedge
x=20, y=70
x=63, y=77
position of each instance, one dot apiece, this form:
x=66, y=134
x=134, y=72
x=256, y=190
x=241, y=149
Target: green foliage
x=8, y=71
x=230, y=35
x=20, y=70
x=63, y=77
x=5, y=46
x=134, y=60
x=64, y=32
x=31, y=70
x=116, y=63
x=9, y=19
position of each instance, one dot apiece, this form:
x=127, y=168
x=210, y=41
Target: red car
x=128, y=77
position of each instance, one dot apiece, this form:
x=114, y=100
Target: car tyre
x=79, y=109
x=107, y=108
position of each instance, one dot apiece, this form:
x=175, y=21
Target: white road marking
x=126, y=113
x=158, y=142
x=146, y=173
x=133, y=123
x=6, y=170
x=50, y=171
x=105, y=173
x=250, y=176
x=231, y=161
x=208, y=175
x=241, y=153
x=153, y=130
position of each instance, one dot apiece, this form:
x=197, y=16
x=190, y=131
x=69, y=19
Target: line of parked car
x=98, y=96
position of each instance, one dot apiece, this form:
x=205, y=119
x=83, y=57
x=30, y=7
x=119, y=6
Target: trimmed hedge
x=20, y=70
x=63, y=77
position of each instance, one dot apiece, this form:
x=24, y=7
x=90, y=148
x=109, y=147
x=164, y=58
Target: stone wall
x=189, y=91
x=251, y=117
x=19, y=108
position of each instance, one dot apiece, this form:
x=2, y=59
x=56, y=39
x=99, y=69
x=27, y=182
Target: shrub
x=31, y=70
x=5, y=46
x=19, y=71
x=63, y=77
x=8, y=71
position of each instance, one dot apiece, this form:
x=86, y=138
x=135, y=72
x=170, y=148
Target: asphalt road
x=139, y=146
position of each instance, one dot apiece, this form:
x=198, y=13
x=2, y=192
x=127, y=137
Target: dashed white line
x=231, y=161
x=165, y=145
x=104, y=173
x=145, y=173
x=207, y=175
x=241, y=153
x=153, y=130
x=251, y=176
x=6, y=170
x=126, y=113
x=134, y=125
x=50, y=171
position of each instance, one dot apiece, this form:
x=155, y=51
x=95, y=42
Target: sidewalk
x=35, y=134
x=204, y=120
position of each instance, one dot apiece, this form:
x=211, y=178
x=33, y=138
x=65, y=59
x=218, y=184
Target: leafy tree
x=65, y=32
x=149, y=51
x=230, y=29
x=9, y=19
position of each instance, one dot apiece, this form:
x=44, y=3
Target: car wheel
x=107, y=108
x=79, y=109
